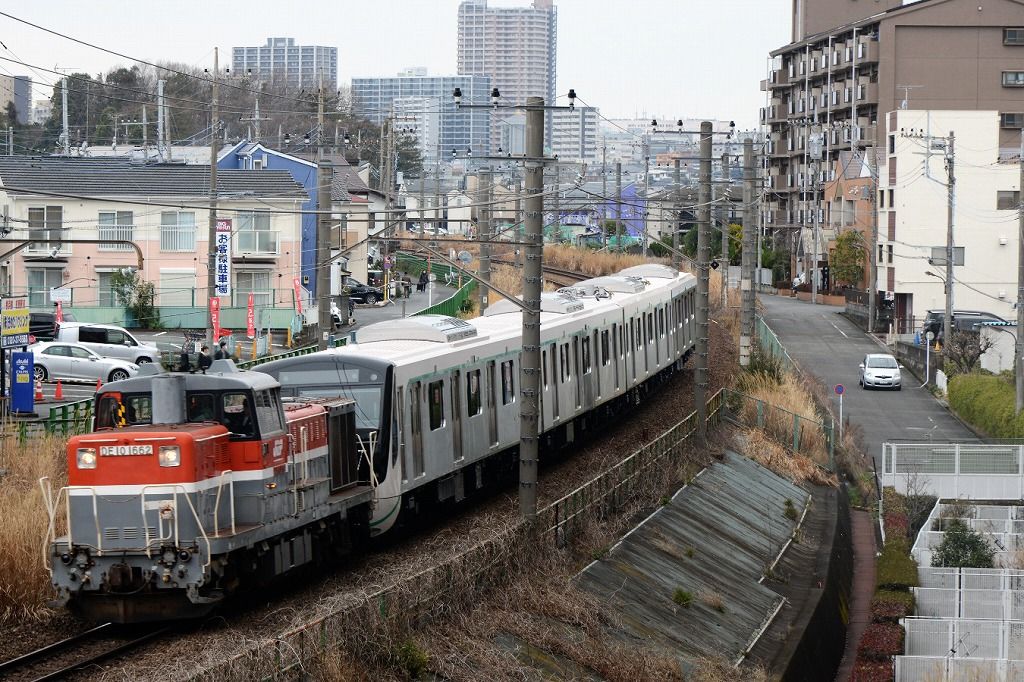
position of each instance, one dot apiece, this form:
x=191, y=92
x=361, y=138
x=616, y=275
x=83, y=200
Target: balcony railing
x=178, y=239
x=48, y=241
x=257, y=242
x=112, y=232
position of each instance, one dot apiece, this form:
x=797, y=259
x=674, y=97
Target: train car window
x=399, y=450
x=638, y=328
x=435, y=394
x=544, y=368
x=508, y=384
x=586, y=355
x=474, y=405
x=563, y=360
x=650, y=327
x=415, y=399
x=201, y=408
x=238, y=415
x=268, y=412
x=605, y=348
x=661, y=322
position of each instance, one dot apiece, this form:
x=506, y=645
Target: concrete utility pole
x=817, y=256
x=160, y=120
x=703, y=263
x=618, y=205
x=724, y=223
x=1019, y=360
x=211, y=274
x=325, y=178
x=947, y=323
x=484, y=234
x=65, y=130
x=647, y=203
x=529, y=365
x=677, y=208
x=558, y=207
x=872, y=250
x=604, y=195
x=521, y=223
x=747, y=259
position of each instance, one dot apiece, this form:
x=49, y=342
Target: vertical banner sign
x=223, y=260
x=298, y=295
x=22, y=394
x=14, y=322
x=250, y=317
x=60, y=312
x=215, y=317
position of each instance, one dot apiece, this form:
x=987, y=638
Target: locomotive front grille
x=110, y=534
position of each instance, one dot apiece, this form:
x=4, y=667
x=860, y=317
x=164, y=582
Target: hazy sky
x=670, y=58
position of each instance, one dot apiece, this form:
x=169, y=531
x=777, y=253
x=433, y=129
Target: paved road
x=831, y=347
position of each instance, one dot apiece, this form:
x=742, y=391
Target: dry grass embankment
x=24, y=581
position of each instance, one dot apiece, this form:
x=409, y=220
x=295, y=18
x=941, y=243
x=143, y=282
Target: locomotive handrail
x=95, y=514
x=175, y=488
x=216, y=504
x=51, y=511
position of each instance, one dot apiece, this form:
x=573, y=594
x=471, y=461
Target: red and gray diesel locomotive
x=192, y=484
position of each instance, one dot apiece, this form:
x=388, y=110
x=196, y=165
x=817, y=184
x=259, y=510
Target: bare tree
x=963, y=353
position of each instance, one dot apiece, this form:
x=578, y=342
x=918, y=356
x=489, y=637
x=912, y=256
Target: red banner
x=298, y=295
x=215, y=317
x=250, y=317
x=60, y=312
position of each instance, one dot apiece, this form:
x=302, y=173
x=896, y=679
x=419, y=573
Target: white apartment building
x=282, y=61
x=912, y=209
x=574, y=134
x=420, y=117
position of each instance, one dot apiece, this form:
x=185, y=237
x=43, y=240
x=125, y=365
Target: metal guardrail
x=776, y=420
x=770, y=344
x=452, y=305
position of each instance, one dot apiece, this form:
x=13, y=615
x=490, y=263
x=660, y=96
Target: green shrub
x=881, y=641
x=412, y=659
x=963, y=547
x=988, y=403
x=888, y=606
x=896, y=569
x=682, y=597
x=790, y=511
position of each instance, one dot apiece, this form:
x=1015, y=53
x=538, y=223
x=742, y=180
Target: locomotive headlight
x=169, y=456
x=86, y=458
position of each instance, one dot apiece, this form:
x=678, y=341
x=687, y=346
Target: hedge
x=897, y=525
x=881, y=641
x=896, y=569
x=866, y=670
x=888, y=606
x=987, y=402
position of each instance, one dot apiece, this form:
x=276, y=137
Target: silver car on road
x=61, y=360
x=880, y=370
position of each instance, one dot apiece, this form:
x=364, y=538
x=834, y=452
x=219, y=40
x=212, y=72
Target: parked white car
x=58, y=360
x=109, y=341
x=880, y=370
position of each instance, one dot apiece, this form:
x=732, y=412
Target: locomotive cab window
x=200, y=407
x=268, y=412
x=238, y=415
x=435, y=395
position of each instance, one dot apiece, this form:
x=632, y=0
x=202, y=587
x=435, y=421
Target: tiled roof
x=119, y=177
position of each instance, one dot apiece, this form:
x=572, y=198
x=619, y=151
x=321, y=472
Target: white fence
x=952, y=470
x=943, y=669
x=971, y=578
x=964, y=638
x=938, y=602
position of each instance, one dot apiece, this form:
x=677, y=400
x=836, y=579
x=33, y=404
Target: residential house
x=912, y=215
x=849, y=203
x=54, y=202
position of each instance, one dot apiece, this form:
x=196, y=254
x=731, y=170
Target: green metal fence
x=769, y=344
x=795, y=432
x=453, y=305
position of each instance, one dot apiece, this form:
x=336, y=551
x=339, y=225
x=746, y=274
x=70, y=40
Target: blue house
x=255, y=156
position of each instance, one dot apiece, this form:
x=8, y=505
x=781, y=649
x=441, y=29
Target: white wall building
x=420, y=117
x=574, y=134
x=912, y=208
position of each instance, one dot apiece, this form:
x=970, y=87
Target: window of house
x=256, y=282
x=889, y=254
x=254, y=234
x=1007, y=201
x=881, y=253
x=881, y=198
x=178, y=231
x=892, y=198
x=117, y=225
x=1013, y=79
x=44, y=227
x=474, y=405
x=1013, y=36
x=40, y=281
x=1011, y=120
x=435, y=398
x=508, y=391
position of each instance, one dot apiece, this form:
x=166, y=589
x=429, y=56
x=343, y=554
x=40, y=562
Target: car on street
x=362, y=293
x=60, y=360
x=880, y=370
x=108, y=341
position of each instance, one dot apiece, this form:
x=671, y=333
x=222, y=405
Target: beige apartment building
x=850, y=60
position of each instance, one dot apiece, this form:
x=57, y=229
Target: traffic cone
x=59, y=393
x=39, y=391
x=99, y=385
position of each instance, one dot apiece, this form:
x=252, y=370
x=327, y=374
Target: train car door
x=456, y=383
x=587, y=373
x=555, y=380
x=341, y=446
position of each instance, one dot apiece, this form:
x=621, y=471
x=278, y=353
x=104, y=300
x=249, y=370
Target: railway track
x=59, y=660
x=556, y=275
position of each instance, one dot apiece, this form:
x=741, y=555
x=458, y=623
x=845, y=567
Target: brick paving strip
x=863, y=588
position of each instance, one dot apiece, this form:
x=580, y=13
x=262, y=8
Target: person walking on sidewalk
x=422, y=285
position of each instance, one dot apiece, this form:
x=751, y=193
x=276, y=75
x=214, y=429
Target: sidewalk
x=862, y=590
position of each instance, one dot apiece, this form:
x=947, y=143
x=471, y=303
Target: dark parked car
x=362, y=293
x=43, y=326
x=963, y=320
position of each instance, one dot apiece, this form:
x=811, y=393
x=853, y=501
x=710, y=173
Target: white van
x=109, y=341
